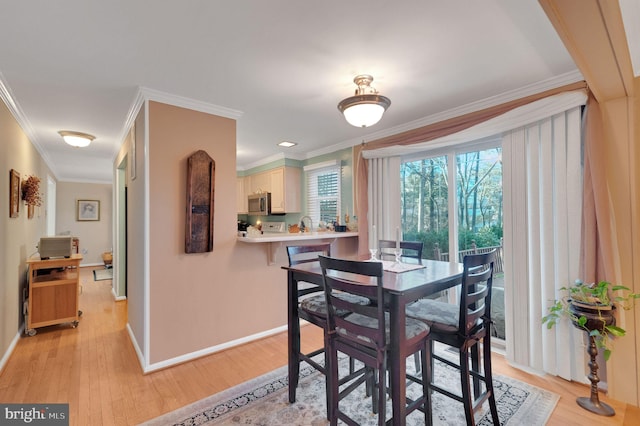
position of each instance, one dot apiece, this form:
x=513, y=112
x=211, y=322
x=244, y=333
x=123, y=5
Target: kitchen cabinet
x=54, y=290
x=243, y=189
x=284, y=185
x=260, y=182
x=285, y=190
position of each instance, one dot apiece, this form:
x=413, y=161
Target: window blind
x=323, y=193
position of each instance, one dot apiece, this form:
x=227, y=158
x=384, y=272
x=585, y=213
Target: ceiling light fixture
x=366, y=107
x=287, y=144
x=77, y=139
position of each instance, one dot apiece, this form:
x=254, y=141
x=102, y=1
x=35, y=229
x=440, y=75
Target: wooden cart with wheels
x=54, y=290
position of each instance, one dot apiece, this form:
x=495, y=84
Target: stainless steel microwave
x=260, y=204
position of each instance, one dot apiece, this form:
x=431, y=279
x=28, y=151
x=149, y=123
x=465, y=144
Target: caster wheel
x=74, y=324
x=31, y=332
x=79, y=313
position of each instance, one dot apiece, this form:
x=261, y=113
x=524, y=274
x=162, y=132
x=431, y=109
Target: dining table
x=402, y=285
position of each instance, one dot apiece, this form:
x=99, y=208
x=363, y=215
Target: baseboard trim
x=208, y=351
x=10, y=349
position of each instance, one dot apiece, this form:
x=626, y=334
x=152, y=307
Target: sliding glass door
x=452, y=201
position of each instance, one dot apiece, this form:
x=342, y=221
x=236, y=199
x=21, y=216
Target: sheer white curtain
x=384, y=198
x=542, y=184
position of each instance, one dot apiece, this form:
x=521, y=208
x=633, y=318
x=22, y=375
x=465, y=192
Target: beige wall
x=95, y=237
x=18, y=236
x=197, y=301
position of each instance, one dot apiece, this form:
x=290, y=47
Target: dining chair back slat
x=371, y=289
x=410, y=249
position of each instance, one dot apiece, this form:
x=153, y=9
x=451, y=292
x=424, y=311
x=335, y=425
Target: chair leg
x=425, y=384
x=373, y=388
x=475, y=366
x=327, y=373
x=382, y=395
x=486, y=349
x=465, y=381
x=332, y=385
x=294, y=366
x=427, y=374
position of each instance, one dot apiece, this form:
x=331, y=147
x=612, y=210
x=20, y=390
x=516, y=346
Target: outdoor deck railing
x=498, y=267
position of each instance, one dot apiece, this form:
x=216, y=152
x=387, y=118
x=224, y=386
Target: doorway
x=120, y=254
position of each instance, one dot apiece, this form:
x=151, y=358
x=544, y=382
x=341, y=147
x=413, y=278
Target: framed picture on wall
x=14, y=193
x=88, y=210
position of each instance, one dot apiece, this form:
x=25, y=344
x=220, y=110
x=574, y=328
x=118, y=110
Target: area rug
x=264, y=401
x=102, y=274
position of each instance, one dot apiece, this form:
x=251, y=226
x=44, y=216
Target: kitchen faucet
x=303, y=227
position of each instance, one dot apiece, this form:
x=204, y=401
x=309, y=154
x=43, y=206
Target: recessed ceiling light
x=287, y=144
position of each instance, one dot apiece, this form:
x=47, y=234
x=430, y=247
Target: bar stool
x=464, y=327
x=364, y=334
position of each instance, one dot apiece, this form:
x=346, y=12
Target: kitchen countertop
x=279, y=237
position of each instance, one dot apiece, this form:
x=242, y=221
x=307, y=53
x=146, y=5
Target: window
x=425, y=204
x=323, y=191
x=452, y=201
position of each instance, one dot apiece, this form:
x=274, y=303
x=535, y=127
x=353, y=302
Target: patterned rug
x=264, y=401
x=102, y=274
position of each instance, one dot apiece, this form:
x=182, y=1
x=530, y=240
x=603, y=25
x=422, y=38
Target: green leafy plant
x=602, y=298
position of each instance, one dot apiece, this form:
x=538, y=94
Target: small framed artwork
x=88, y=210
x=14, y=193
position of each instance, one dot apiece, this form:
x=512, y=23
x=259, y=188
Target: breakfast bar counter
x=275, y=240
x=298, y=236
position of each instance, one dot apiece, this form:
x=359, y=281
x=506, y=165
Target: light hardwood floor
x=94, y=368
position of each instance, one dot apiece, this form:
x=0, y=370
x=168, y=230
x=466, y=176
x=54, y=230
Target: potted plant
x=591, y=307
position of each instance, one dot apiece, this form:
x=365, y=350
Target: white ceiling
x=285, y=65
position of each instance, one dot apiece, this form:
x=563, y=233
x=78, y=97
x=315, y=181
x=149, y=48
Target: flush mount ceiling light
x=287, y=144
x=77, y=139
x=366, y=107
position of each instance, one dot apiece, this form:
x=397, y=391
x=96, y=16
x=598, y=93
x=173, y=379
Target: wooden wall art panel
x=201, y=171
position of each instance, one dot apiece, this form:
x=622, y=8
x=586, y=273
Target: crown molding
x=136, y=104
x=532, y=89
x=263, y=161
x=188, y=103
x=144, y=94
x=16, y=111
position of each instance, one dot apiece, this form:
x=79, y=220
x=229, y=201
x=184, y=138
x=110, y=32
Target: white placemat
x=392, y=266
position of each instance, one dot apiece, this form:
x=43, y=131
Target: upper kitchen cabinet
x=285, y=189
x=243, y=185
x=260, y=182
x=282, y=182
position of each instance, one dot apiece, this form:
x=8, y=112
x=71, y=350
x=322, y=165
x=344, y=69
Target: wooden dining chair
x=312, y=306
x=364, y=334
x=410, y=249
x=311, y=303
x=464, y=326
